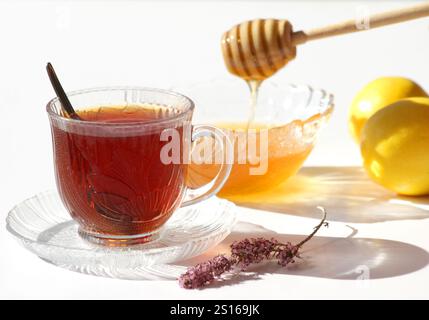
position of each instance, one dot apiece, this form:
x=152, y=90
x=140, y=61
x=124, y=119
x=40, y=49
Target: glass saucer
x=44, y=227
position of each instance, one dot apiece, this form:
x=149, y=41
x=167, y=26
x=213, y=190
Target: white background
x=165, y=44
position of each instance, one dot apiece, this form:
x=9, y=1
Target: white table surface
x=167, y=44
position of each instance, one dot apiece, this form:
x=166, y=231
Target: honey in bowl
x=268, y=167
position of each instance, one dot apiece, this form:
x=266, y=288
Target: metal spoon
x=64, y=100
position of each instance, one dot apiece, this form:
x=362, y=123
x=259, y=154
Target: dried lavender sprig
x=243, y=254
x=205, y=273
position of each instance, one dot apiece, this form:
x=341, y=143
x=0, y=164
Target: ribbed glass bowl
x=292, y=114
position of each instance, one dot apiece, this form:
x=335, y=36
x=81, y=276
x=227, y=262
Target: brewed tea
x=111, y=179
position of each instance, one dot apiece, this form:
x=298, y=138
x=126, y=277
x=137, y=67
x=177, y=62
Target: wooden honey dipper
x=256, y=49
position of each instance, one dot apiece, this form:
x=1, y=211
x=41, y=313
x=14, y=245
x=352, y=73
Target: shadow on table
x=346, y=193
x=329, y=257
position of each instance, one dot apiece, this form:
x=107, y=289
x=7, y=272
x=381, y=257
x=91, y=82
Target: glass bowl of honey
x=273, y=132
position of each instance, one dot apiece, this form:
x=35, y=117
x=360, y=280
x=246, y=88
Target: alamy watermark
x=363, y=277
x=362, y=18
x=250, y=147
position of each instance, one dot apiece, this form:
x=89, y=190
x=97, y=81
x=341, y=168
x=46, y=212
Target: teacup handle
x=227, y=149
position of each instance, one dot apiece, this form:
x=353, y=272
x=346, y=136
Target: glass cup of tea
x=121, y=168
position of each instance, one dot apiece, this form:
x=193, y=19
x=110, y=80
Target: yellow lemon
x=395, y=146
x=377, y=95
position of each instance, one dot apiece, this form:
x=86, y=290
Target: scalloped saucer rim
x=213, y=228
